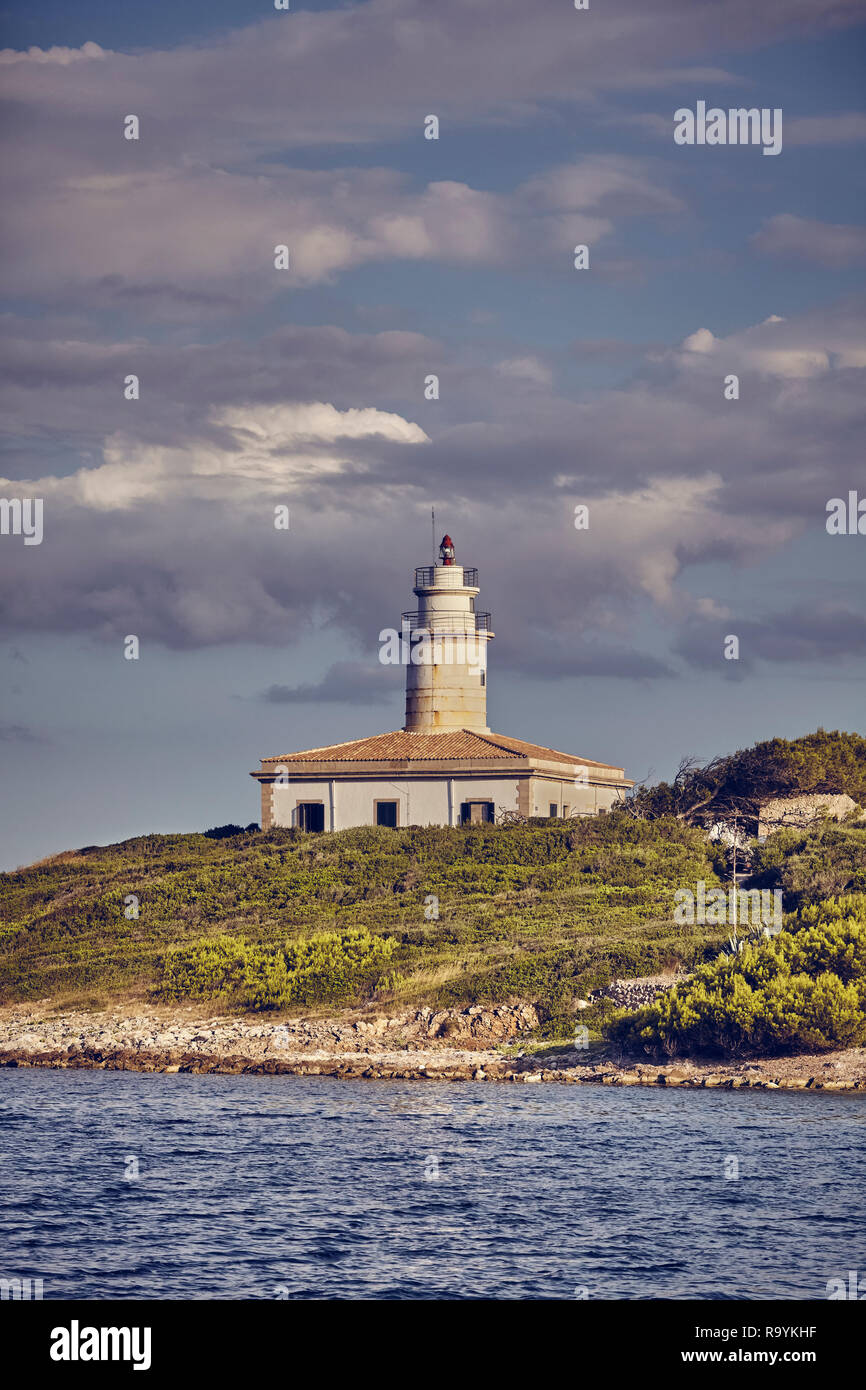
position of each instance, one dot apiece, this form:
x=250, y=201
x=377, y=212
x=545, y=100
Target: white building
x=444, y=767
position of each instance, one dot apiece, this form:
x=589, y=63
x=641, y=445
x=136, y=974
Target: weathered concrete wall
x=421, y=801
x=429, y=801
x=800, y=811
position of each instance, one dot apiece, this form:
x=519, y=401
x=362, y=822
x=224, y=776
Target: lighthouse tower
x=444, y=767
x=446, y=674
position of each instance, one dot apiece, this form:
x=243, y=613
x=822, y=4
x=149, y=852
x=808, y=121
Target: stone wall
x=801, y=810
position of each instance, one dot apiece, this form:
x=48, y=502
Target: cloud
x=817, y=632
x=777, y=348
x=798, y=238
x=17, y=733
x=184, y=386
x=846, y=128
x=173, y=538
x=61, y=56
x=346, y=682
x=271, y=450
x=530, y=371
x=218, y=230
x=305, y=78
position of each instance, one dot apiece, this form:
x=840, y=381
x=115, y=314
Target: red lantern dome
x=446, y=550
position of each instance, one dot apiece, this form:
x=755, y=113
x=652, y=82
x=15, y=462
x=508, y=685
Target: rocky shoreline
x=451, y=1045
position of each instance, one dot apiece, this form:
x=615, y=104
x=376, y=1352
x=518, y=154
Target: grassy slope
x=518, y=905
x=545, y=911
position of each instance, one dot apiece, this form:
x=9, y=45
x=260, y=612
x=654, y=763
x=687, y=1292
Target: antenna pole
x=433, y=531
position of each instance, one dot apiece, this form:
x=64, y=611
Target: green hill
x=545, y=911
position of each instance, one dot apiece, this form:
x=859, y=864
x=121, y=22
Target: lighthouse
x=446, y=675
x=445, y=766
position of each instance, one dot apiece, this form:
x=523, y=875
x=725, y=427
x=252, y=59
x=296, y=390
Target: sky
x=304, y=387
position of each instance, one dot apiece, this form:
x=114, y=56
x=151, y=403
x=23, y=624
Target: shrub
x=325, y=967
x=811, y=864
x=803, y=989
x=819, y=762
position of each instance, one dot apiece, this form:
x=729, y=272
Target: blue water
x=262, y=1187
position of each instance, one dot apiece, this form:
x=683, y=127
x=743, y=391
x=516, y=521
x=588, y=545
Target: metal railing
x=425, y=577
x=439, y=620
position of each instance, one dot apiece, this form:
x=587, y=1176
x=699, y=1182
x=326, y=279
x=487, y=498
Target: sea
x=126, y=1185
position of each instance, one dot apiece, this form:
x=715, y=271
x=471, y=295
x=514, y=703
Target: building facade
x=445, y=766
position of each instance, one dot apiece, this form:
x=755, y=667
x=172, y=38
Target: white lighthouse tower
x=446, y=674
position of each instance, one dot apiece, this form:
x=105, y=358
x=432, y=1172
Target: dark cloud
x=17, y=733
x=346, y=682
x=820, y=633
x=159, y=512
x=168, y=532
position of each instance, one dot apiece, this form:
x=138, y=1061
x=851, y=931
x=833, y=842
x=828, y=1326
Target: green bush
x=812, y=864
x=819, y=762
x=804, y=989
x=325, y=967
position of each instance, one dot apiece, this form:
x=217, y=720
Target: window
x=386, y=813
x=483, y=677
x=477, y=812
x=554, y=810
x=311, y=815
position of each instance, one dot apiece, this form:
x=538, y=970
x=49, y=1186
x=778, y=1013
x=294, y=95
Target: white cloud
x=269, y=450
x=777, y=348
x=701, y=341
x=60, y=56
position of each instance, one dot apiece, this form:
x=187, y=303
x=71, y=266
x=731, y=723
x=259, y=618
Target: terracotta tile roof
x=451, y=745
